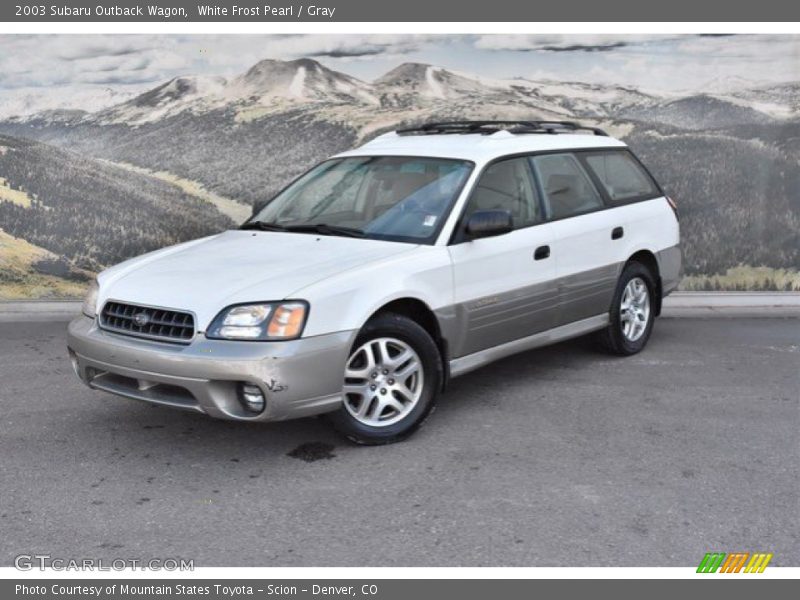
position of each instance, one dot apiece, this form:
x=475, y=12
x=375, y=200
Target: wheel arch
x=421, y=313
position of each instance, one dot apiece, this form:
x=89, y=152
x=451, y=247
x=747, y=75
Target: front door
x=504, y=285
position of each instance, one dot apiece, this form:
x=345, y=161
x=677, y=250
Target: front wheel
x=632, y=312
x=391, y=381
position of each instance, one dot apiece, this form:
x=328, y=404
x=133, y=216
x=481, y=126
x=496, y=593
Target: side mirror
x=488, y=223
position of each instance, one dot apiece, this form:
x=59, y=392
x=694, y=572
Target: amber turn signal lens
x=287, y=321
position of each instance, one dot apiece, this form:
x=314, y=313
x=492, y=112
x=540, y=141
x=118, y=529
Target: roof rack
x=490, y=127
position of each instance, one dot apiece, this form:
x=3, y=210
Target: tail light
x=673, y=206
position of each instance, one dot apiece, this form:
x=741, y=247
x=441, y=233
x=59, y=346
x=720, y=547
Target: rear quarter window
x=622, y=177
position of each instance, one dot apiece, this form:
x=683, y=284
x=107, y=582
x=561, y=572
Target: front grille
x=148, y=322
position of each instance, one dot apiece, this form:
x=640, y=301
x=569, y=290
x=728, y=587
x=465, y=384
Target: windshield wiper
x=326, y=229
x=263, y=226
x=323, y=228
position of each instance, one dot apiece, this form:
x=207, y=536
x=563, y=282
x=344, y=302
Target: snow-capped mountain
x=301, y=80
x=586, y=99
x=417, y=90
x=269, y=83
x=781, y=100
x=412, y=83
x=170, y=98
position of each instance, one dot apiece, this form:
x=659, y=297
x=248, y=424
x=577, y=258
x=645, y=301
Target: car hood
x=207, y=275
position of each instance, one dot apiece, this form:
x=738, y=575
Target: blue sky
x=95, y=68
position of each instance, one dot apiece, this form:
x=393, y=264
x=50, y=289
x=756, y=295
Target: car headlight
x=89, y=307
x=260, y=321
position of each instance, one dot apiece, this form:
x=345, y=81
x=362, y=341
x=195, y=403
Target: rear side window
x=622, y=176
x=568, y=191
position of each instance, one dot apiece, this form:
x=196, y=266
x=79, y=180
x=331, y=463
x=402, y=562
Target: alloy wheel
x=635, y=309
x=383, y=381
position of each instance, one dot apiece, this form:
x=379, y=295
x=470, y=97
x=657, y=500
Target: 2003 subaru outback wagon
x=368, y=282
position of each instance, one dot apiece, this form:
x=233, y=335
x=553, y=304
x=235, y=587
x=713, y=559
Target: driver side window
x=507, y=185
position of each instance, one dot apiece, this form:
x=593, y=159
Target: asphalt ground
x=561, y=456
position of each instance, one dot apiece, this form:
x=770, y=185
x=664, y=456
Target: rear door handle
x=541, y=253
x=617, y=233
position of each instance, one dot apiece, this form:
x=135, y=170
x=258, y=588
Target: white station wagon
x=381, y=273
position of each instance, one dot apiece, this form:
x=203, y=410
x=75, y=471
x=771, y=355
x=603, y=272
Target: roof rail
x=490, y=127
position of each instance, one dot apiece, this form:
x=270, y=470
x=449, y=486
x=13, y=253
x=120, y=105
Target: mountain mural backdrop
x=80, y=190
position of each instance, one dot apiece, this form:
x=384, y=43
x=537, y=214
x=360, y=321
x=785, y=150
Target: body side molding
x=468, y=363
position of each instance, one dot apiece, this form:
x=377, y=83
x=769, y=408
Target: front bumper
x=298, y=378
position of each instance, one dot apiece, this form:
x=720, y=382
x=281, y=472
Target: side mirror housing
x=488, y=223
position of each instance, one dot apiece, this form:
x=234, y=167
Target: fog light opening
x=252, y=398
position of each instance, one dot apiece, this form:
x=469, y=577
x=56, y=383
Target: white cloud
x=563, y=43
x=30, y=61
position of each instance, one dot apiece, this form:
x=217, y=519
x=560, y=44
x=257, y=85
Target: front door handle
x=617, y=233
x=541, y=253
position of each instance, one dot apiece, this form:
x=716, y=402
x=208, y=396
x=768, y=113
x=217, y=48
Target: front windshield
x=381, y=197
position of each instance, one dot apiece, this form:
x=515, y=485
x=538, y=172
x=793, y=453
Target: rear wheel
x=391, y=381
x=632, y=312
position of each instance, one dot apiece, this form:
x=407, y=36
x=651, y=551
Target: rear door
x=504, y=285
x=585, y=236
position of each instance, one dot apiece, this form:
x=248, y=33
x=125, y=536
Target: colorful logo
x=714, y=562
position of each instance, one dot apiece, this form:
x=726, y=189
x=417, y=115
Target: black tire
x=390, y=325
x=612, y=339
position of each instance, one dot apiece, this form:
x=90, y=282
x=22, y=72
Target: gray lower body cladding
x=503, y=319
x=298, y=378
x=484, y=323
x=470, y=362
x=670, y=268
